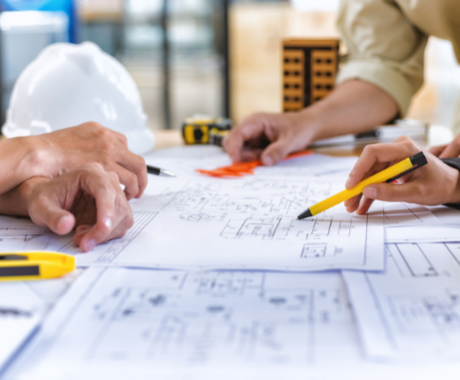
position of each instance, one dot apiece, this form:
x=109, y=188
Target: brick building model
x=309, y=71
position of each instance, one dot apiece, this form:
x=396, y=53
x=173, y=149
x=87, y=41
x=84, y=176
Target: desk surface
x=438, y=135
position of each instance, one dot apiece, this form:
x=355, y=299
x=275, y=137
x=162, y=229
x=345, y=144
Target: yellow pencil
x=388, y=175
x=20, y=266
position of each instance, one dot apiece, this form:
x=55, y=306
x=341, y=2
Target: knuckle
x=408, y=143
x=141, y=162
x=123, y=139
x=113, y=177
x=107, y=161
x=40, y=199
x=131, y=177
x=92, y=167
x=96, y=127
x=368, y=148
x=105, y=228
x=105, y=144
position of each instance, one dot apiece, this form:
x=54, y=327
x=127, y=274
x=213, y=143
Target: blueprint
x=146, y=324
x=150, y=306
x=398, y=214
x=412, y=311
x=147, y=321
x=22, y=307
x=221, y=221
x=248, y=224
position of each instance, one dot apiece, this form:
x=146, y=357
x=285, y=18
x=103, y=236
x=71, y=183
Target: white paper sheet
x=411, y=312
x=222, y=220
x=145, y=322
x=134, y=323
x=20, y=314
x=248, y=223
x=22, y=307
x=397, y=214
x=447, y=215
x=422, y=234
x=183, y=161
x=244, y=224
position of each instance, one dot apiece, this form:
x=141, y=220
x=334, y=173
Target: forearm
x=16, y=201
x=19, y=160
x=353, y=107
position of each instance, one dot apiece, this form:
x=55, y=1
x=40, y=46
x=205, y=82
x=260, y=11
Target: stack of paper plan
x=218, y=279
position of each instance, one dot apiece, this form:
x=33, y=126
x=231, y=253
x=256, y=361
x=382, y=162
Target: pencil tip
x=305, y=214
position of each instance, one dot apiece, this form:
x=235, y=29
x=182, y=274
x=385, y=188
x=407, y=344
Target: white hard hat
x=67, y=85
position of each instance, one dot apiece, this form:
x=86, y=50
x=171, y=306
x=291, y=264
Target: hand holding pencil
x=433, y=184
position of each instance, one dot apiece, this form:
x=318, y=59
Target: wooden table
x=438, y=136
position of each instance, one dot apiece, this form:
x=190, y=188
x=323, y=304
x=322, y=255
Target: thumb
x=391, y=192
x=50, y=214
x=275, y=152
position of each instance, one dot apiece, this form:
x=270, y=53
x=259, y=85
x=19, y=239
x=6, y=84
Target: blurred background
x=216, y=57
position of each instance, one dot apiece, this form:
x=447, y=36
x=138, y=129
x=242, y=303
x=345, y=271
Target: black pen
x=160, y=172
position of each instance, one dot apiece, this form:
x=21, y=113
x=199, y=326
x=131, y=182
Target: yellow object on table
x=20, y=266
x=388, y=175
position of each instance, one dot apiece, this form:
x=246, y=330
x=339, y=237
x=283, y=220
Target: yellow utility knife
x=20, y=266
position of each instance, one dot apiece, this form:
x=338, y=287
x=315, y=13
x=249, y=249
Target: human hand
x=283, y=133
x=88, y=199
x=447, y=151
x=433, y=184
x=68, y=149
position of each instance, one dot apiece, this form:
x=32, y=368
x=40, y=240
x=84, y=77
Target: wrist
x=309, y=125
x=20, y=161
x=36, y=161
x=16, y=202
x=30, y=157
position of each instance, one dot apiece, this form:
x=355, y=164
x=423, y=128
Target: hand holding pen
x=434, y=184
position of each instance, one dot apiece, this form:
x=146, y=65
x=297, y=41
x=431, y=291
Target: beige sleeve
x=384, y=48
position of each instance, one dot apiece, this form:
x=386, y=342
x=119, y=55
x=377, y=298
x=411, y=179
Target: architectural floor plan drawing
x=23, y=235
x=18, y=234
x=424, y=260
x=221, y=221
x=108, y=252
x=407, y=214
x=412, y=311
x=146, y=321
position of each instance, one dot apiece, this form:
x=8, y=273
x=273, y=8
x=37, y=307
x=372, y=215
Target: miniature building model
x=309, y=71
